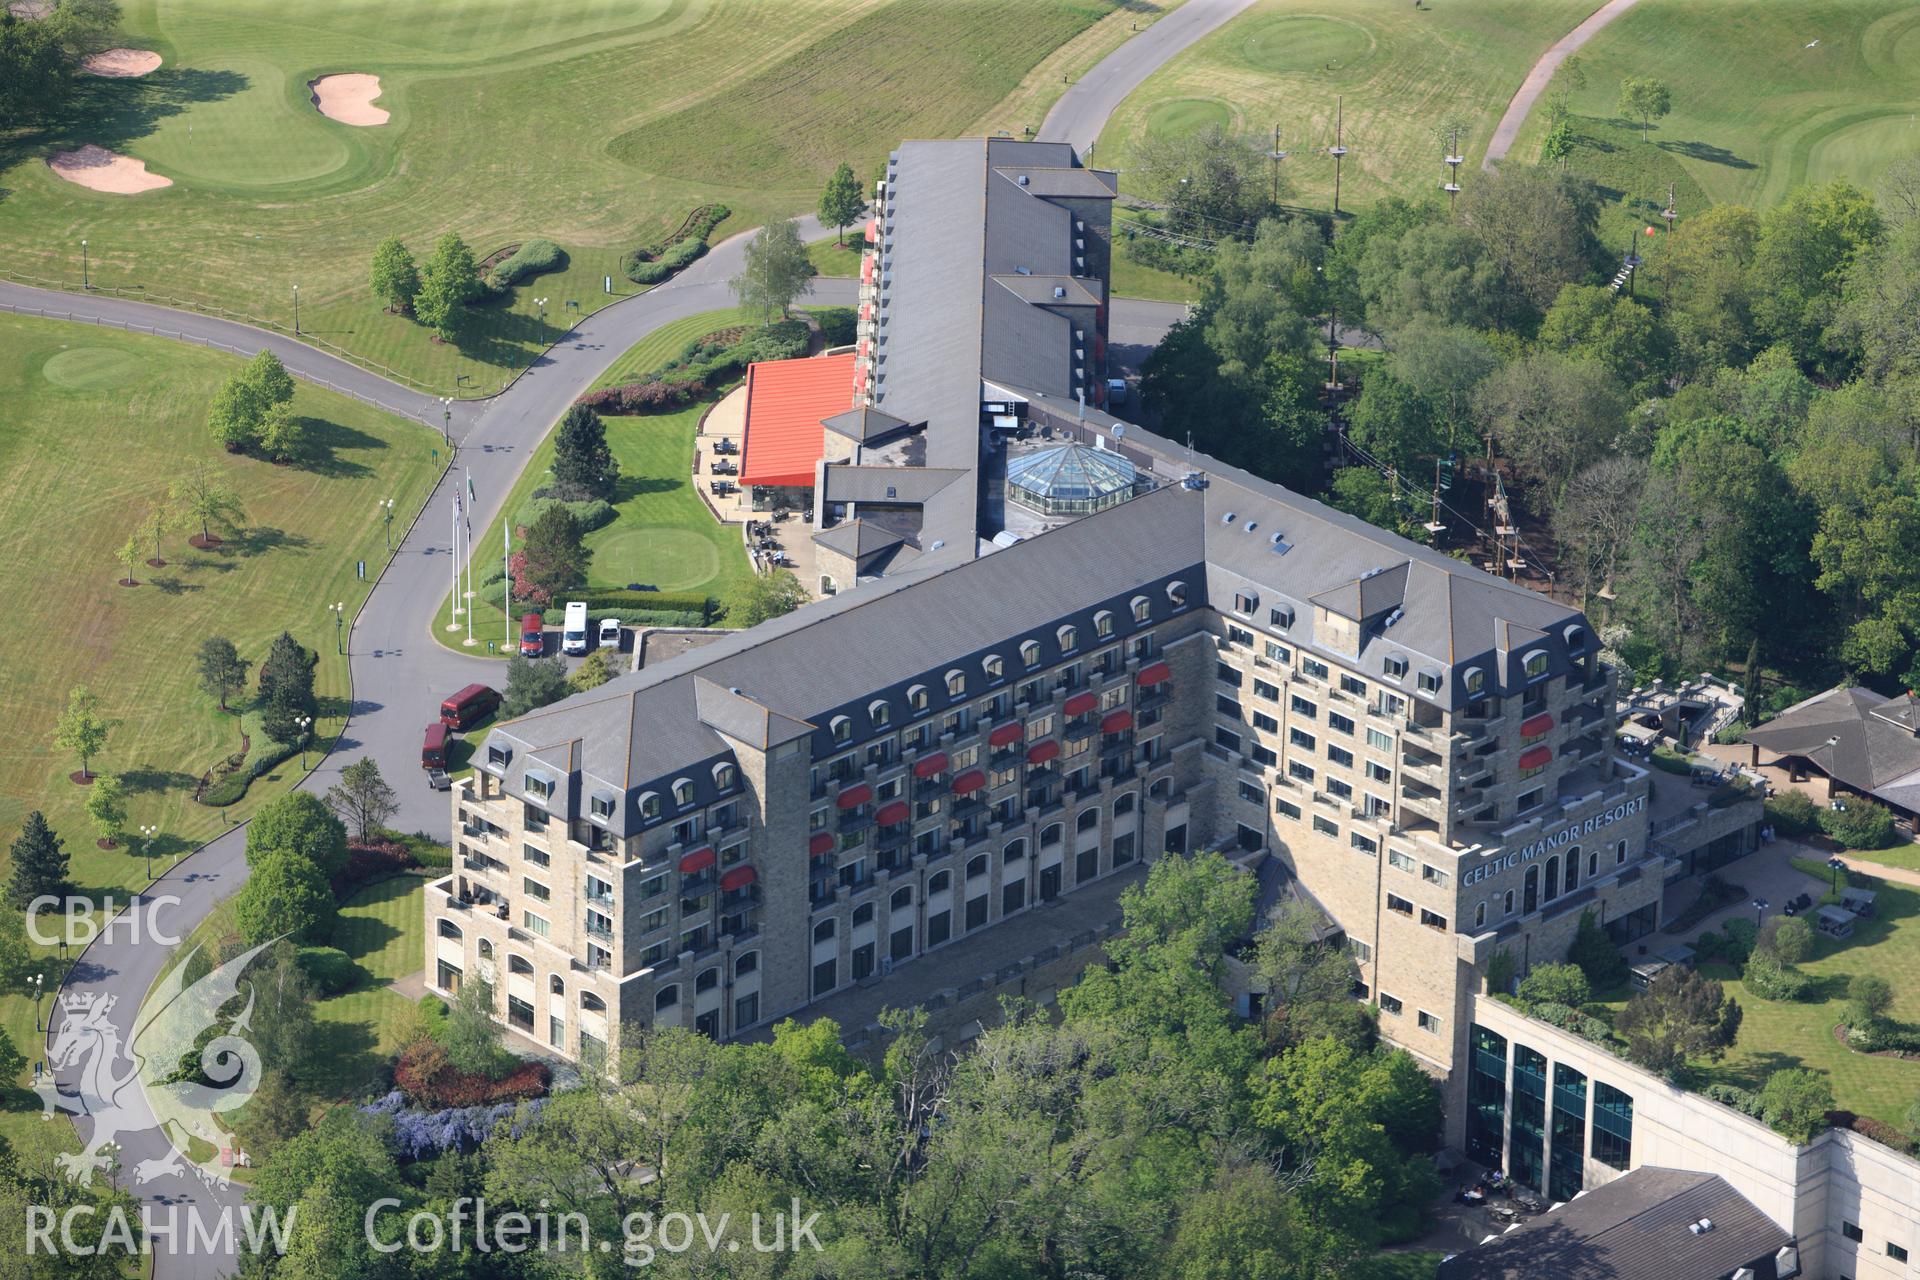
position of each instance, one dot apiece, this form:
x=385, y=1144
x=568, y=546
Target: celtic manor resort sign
x=1527, y=853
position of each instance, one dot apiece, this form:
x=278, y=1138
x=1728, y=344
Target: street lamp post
x=1760, y=906
x=86, y=278
x=446, y=418
x=147, y=833
x=386, y=512
x=296, y=311
x=339, y=627
x=37, y=986
x=1836, y=864
x=542, y=304
x=304, y=723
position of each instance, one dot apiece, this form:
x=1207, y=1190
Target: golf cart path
x=1537, y=79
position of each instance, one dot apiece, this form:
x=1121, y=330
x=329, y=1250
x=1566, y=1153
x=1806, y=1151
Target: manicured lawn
x=1906, y=856
x=663, y=535
x=1137, y=280
x=1402, y=71
x=597, y=125
x=1022, y=110
x=1755, y=111
x=383, y=927
x=666, y=342
x=831, y=258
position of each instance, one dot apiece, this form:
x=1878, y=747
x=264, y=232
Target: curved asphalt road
x=399, y=672
x=1541, y=74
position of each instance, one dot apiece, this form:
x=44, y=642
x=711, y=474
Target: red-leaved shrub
x=429, y=1080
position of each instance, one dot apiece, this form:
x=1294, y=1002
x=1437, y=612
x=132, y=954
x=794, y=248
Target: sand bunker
x=348, y=98
x=121, y=63
x=99, y=169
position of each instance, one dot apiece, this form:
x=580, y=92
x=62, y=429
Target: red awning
x=1534, y=726
x=892, y=814
x=866, y=311
x=853, y=797
x=697, y=861
x=1117, y=721
x=1154, y=673
x=927, y=766
x=873, y=229
x=1080, y=703
x=1012, y=731
x=970, y=781
x=738, y=878
x=820, y=844
x=1535, y=757
x=1041, y=752
x=866, y=269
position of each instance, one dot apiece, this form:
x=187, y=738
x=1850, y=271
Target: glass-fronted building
x=1559, y=1117
x=1070, y=480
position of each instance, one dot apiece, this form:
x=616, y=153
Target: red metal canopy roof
x=855, y=796
x=738, y=878
x=1154, y=673
x=1080, y=703
x=697, y=861
x=1041, y=752
x=1535, y=757
x=820, y=844
x=927, y=766
x=1117, y=721
x=1534, y=726
x=786, y=399
x=892, y=814
x=1012, y=731
x=970, y=781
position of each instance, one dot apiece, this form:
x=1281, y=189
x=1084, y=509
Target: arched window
x=518, y=964
x=486, y=949
x=994, y=666
x=1576, y=638
x=902, y=900
x=556, y=985
x=1479, y=914
x=1593, y=864
x=745, y=963
x=1123, y=805
x=667, y=997
x=649, y=804
x=448, y=929
x=879, y=713
x=976, y=866
x=1088, y=821
x=1050, y=835
x=1535, y=663
x=1068, y=637
x=1142, y=608
x=1161, y=789
x=917, y=697
x=956, y=683
x=1474, y=681
x=825, y=930
x=1531, y=898
x=725, y=775
x=707, y=981
x=1507, y=905
x=940, y=882
x=592, y=1003
x=1030, y=652
x=1177, y=593
x=1573, y=868
x=1103, y=624
x=842, y=728
x=1553, y=880
x=863, y=914
x=683, y=791
x=1014, y=852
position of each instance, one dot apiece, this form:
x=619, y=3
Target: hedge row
x=535, y=257
x=702, y=364
x=642, y=270
x=230, y=789
x=1882, y=1035
x=594, y=513
x=838, y=325
x=644, y=397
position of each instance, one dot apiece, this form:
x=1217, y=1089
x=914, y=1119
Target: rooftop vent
x=1023, y=271
x=939, y=543
x=1059, y=291
x=1193, y=480
x=1369, y=573
x=1227, y=518
x=1252, y=525
x=1395, y=616
x=1023, y=179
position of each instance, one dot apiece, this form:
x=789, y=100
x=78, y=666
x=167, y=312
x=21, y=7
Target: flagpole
x=468, y=559
x=453, y=618
x=506, y=571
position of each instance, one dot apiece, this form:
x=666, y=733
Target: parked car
x=573, y=633
x=533, y=635
x=469, y=706
x=433, y=751
x=609, y=633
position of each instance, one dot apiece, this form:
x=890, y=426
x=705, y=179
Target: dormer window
x=1245, y=602
x=917, y=697
x=1395, y=667
x=649, y=804
x=1030, y=652
x=725, y=775
x=497, y=756
x=994, y=665
x=602, y=805
x=842, y=729
x=1576, y=638
x=1103, y=624
x=1142, y=608
x=1177, y=593
x=879, y=713
x=956, y=684
x=683, y=792
x=1069, y=638
x=539, y=786
x=1280, y=616
x=1535, y=663
x=1474, y=681
x=1429, y=682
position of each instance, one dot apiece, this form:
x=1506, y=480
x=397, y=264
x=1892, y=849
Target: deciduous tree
x=776, y=270
x=203, y=496
x=107, y=808
x=129, y=557
x=1646, y=100
x=841, y=202
x=1682, y=1015
x=81, y=728
x=532, y=683
x=301, y=824
x=223, y=672
x=396, y=280
x=285, y=896
x=448, y=282
x=363, y=798
x=1551, y=415
x=1795, y=1101
x=761, y=596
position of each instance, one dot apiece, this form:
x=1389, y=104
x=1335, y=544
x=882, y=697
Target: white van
x=573, y=636
x=610, y=633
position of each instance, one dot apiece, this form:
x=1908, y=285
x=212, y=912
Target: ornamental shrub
x=1769, y=978
x=1745, y=1101
x=1740, y=935
x=594, y=513
x=1794, y=813
x=331, y=969
x=1861, y=825
x=535, y=257
x=425, y=1075
x=425, y=1135
x=1555, y=984
x=837, y=324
